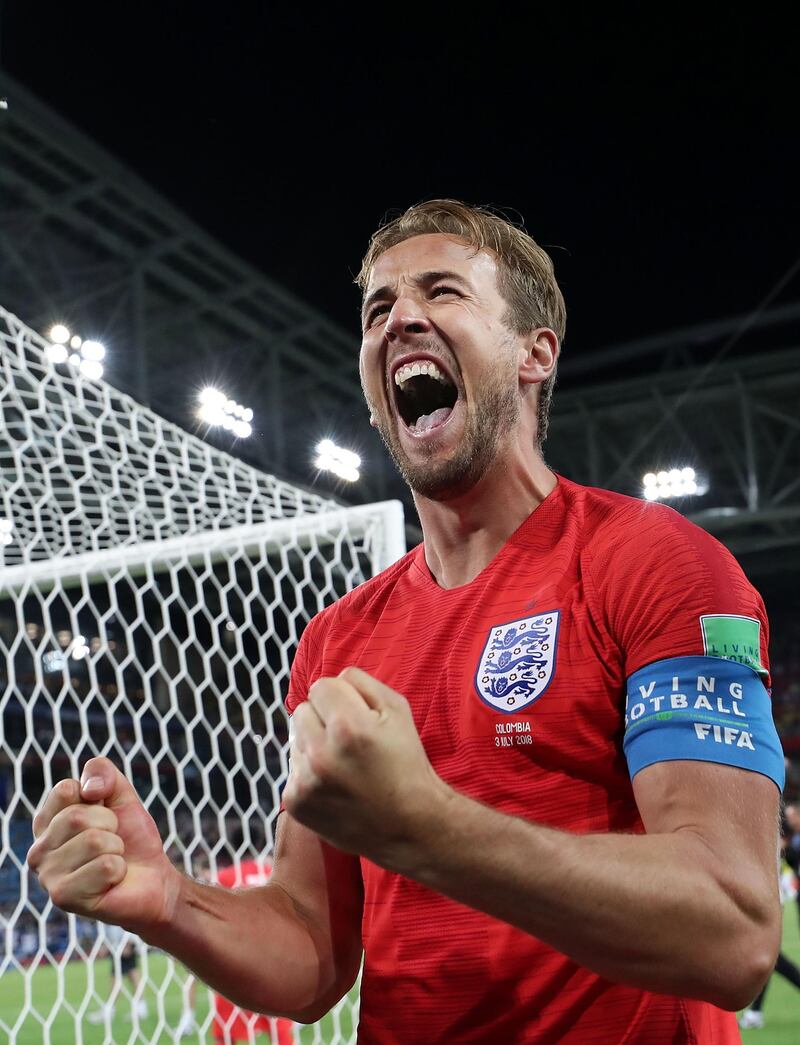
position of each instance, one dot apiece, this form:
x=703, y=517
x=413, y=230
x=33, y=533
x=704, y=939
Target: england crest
x=517, y=662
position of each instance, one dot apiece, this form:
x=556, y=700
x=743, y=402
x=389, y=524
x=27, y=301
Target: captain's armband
x=704, y=709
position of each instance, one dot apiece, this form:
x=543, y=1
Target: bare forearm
x=249, y=945
x=648, y=910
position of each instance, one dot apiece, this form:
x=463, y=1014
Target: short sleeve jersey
x=517, y=684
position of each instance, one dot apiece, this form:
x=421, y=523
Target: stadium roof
x=85, y=241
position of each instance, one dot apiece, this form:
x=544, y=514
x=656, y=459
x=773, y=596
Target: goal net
x=153, y=593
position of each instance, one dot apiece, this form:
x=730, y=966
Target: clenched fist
x=98, y=853
x=360, y=777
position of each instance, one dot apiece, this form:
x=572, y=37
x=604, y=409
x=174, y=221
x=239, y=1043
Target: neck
x=464, y=534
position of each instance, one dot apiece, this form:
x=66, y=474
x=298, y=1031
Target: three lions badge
x=517, y=662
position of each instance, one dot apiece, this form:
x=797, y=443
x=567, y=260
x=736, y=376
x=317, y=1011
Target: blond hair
x=526, y=279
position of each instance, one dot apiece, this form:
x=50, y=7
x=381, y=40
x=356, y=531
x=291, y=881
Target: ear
x=538, y=356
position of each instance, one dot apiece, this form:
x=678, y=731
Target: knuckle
x=108, y=864
x=95, y=840
x=349, y=673
x=345, y=735
x=75, y=818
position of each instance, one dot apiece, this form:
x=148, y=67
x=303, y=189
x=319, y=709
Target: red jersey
x=602, y=585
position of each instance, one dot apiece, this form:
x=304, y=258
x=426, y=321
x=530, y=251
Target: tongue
x=428, y=421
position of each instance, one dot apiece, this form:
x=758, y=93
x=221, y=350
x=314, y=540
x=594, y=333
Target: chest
x=516, y=688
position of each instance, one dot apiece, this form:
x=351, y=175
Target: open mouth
x=424, y=394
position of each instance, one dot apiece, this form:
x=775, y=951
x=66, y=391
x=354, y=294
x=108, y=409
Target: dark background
x=653, y=152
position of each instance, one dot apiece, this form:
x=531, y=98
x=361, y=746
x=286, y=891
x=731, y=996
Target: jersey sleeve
x=693, y=638
x=669, y=589
x=305, y=668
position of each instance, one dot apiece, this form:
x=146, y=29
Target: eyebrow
x=421, y=280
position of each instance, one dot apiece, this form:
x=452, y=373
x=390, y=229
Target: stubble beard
x=492, y=416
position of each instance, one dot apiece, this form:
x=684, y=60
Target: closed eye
x=438, y=291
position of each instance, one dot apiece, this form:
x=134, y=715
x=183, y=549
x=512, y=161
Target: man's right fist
x=98, y=853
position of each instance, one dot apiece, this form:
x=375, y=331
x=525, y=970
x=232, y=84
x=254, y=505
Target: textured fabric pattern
x=628, y=581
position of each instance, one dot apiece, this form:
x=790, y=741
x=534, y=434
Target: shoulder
x=623, y=531
x=371, y=593
x=332, y=629
x=661, y=584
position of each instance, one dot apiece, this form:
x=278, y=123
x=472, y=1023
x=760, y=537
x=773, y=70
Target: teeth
x=410, y=370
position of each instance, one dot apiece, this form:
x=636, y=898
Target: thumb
x=101, y=781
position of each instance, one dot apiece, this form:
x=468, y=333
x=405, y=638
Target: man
x=459, y=803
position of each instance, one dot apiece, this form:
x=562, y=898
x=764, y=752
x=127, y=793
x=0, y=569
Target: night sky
x=654, y=155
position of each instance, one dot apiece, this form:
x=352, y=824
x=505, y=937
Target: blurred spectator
x=123, y=949
x=752, y=1018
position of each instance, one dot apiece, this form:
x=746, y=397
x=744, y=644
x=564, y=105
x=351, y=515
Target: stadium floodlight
x=669, y=484
x=216, y=408
x=91, y=368
x=59, y=334
x=57, y=353
x=333, y=458
x=85, y=355
x=93, y=350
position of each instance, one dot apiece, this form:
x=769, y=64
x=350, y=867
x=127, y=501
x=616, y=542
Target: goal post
x=139, y=623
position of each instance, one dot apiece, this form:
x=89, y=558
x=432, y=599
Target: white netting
x=85, y=467
x=153, y=596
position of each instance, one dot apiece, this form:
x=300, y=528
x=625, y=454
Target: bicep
x=326, y=890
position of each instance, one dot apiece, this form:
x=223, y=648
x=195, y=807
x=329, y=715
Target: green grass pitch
x=55, y=1024
x=782, y=1004
x=781, y=1009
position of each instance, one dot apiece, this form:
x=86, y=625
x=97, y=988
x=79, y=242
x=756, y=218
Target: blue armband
x=705, y=709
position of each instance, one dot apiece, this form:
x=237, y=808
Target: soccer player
x=534, y=774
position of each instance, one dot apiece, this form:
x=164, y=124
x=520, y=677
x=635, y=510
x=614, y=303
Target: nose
x=406, y=319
